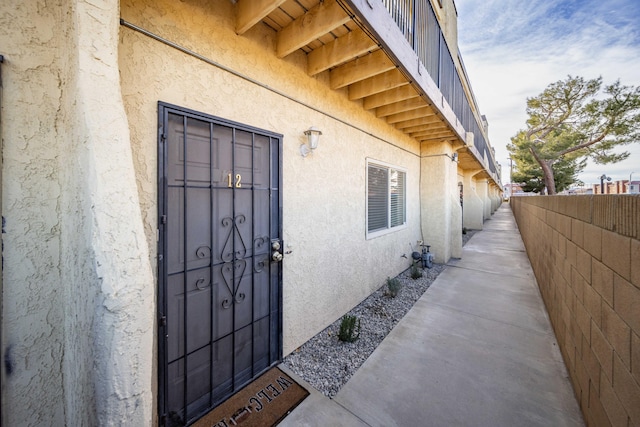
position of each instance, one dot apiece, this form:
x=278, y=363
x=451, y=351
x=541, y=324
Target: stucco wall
x=78, y=293
x=32, y=313
x=473, y=212
x=332, y=266
x=585, y=253
x=441, y=214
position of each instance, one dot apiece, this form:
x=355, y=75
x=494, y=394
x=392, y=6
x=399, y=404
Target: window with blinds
x=386, y=198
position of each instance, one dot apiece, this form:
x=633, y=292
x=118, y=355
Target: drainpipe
x=1, y=243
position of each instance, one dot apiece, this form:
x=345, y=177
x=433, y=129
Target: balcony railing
x=419, y=25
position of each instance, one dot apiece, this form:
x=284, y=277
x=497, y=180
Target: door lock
x=276, y=255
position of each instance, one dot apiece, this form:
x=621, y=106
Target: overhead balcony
x=392, y=56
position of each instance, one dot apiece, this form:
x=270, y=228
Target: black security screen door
x=219, y=285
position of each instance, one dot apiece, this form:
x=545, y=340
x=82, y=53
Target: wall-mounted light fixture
x=313, y=136
x=454, y=157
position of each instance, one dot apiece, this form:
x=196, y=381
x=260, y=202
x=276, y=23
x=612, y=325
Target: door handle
x=276, y=256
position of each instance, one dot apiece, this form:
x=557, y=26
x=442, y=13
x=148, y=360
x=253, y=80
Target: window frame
x=389, y=228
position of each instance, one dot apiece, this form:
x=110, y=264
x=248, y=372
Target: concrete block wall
x=585, y=252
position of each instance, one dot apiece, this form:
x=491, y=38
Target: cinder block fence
x=585, y=254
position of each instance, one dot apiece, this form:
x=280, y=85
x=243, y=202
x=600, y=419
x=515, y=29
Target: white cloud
x=513, y=49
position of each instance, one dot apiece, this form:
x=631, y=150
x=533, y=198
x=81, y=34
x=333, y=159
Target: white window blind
x=386, y=198
x=397, y=195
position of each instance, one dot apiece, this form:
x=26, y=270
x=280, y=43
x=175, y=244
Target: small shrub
x=349, y=328
x=393, y=285
x=416, y=273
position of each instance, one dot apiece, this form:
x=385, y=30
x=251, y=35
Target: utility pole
x=602, y=178
x=510, y=177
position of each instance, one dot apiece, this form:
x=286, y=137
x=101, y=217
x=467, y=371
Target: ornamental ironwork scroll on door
x=234, y=252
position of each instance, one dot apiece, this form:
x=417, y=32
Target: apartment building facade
x=193, y=189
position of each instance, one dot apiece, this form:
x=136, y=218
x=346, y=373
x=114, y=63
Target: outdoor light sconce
x=313, y=136
x=454, y=157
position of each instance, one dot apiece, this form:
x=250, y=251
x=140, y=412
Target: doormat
x=263, y=403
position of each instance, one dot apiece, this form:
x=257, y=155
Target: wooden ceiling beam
x=424, y=129
x=429, y=127
x=418, y=122
x=410, y=115
x=375, y=63
x=317, y=22
x=250, y=12
x=389, y=97
x=400, y=107
x=353, y=44
x=433, y=135
x=389, y=80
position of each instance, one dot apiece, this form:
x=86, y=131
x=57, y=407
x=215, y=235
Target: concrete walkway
x=476, y=350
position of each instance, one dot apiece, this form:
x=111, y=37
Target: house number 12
x=238, y=180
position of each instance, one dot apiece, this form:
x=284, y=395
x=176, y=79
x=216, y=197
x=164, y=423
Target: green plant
x=393, y=285
x=571, y=121
x=416, y=273
x=349, y=328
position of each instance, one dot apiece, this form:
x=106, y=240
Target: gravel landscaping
x=327, y=363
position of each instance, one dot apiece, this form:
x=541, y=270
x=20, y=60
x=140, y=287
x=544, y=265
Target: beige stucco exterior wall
x=482, y=188
x=32, y=312
x=124, y=319
x=584, y=251
x=332, y=266
x=441, y=214
x=473, y=213
x=78, y=318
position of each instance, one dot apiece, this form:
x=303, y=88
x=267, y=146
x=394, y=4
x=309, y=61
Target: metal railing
x=418, y=23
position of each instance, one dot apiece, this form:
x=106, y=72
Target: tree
x=528, y=172
x=532, y=181
x=572, y=120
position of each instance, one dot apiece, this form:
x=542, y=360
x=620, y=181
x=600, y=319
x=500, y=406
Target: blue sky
x=513, y=49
